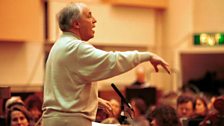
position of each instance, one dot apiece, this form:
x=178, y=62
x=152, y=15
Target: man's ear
x=76, y=24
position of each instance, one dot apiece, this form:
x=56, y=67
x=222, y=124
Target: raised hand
x=156, y=60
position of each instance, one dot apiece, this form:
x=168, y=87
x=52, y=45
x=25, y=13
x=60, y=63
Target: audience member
x=164, y=115
x=200, y=111
x=110, y=119
x=14, y=100
x=185, y=108
x=200, y=106
x=140, y=109
x=18, y=116
x=140, y=77
x=215, y=118
x=116, y=108
x=211, y=103
x=34, y=104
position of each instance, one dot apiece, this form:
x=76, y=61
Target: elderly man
x=70, y=96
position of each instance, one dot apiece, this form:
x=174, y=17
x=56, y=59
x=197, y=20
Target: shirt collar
x=70, y=34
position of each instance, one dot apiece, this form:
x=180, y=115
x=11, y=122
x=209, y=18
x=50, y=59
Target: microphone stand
x=123, y=118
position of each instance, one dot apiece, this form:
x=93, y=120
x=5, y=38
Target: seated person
x=140, y=78
x=114, y=117
x=18, y=116
x=116, y=107
x=14, y=100
x=140, y=108
x=185, y=108
x=200, y=111
x=34, y=103
x=216, y=118
x=164, y=115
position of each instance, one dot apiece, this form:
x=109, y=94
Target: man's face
x=185, y=109
x=86, y=24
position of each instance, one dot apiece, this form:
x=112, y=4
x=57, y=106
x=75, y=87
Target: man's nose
x=19, y=121
x=94, y=20
x=184, y=111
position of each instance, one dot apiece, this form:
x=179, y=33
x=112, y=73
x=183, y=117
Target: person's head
x=200, y=106
x=33, y=103
x=14, y=100
x=219, y=105
x=139, y=106
x=164, y=115
x=116, y=107
x=78, y=19
x=185, y=106
x=211, y=103
x=140, y=74
x=18, y=116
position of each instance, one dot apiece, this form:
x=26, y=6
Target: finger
x=108, y=107
x=165, y=63
x=166, y=68
x=110, y=112
x=156, y=68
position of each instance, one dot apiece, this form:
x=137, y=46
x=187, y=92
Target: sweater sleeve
x=95, y=64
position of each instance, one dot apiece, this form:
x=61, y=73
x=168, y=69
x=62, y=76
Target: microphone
x=122, y=97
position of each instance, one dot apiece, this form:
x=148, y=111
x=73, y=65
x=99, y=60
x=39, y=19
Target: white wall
x=22, y=21
x=208, y=16
x=115, y=25
x=124, y=25
x=21, y=65
x=21, y=44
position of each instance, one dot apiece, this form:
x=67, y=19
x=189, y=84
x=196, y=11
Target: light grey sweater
x=71, y=68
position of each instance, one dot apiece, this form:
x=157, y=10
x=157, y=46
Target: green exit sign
x=209, y=39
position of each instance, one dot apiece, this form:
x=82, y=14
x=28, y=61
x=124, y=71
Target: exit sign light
x=209, y=39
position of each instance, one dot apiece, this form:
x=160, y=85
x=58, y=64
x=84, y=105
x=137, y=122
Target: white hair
x=68, y=14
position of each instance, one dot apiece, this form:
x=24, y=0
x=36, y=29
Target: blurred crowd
x=183, y=108
x=19, y=112
x=189, y=110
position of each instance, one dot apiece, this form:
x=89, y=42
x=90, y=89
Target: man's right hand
x=156, y=60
